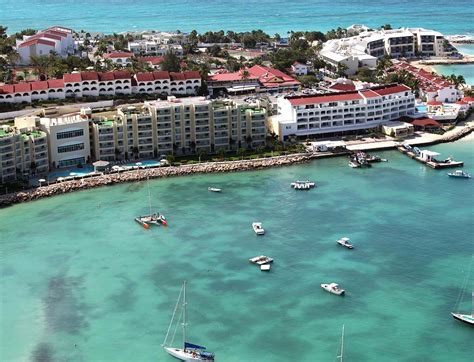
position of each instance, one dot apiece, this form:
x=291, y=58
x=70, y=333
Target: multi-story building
x=304, y=117
x=179, y=126
x=364, y=49
x=55, y=39
x=22, y=153
x=151, y=47
x=119, y=58
x=432, y=87
x=68, y=137
x=94, y=84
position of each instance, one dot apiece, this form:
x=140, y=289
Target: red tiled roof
x=22, y=87
x=144, y=77
x=468, y=99
x=44, y=35
x=89, y=76
x=150, y=59
x=391, y=89
x=369, y=93
x=72, y=77
x=121, y=74
x=161, y=75
x=434, y=103
x=271, y=77
x=177, y=76
x=324, y=98
x=423, y=122
x=229, y=77
x=106, y=76
x=56, y=83
x=37, y=41
x=117, y=55
x=343, y=87
x=56, y=32
x=192, y=74
x=7, y=88
x=39, y=85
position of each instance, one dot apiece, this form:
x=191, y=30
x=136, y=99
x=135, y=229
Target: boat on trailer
x=190, y=351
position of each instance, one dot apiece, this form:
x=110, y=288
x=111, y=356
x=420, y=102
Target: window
x=71, y=148
x=72, y=162
x=70, y=134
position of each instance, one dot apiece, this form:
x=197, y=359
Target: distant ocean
x=452, y=17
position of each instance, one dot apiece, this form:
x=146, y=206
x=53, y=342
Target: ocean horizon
x=272, y=16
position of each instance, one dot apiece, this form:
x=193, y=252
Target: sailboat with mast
x=152, y=218
x=341, y=354
x=465, y=318
x=190, y=351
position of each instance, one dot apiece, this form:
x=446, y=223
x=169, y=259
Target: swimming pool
x=146, y=163
x=421, y=109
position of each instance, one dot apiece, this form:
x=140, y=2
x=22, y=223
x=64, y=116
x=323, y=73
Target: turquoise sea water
x=280, y=16
x=81, y=281
x=466, y=70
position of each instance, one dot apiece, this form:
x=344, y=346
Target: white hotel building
x=329, y=114
x=364, y=49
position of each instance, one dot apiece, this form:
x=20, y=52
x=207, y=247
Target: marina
x=118, y=279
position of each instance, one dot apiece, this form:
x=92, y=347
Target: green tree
x=170, y=62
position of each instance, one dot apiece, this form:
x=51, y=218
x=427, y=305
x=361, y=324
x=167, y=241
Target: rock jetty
x=152, y=173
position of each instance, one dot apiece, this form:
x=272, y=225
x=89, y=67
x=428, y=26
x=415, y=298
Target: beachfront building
x=154, y=48
x=432, y=87
x=364, y=49
x=257, y=79
x=302, y=117
x=68, y=138
x=55, y=39
x=94, y=84
x=119, y=58
x=179, y=126
x=23, y=152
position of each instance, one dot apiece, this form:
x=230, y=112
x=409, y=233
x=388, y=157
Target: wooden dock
x=432, y=164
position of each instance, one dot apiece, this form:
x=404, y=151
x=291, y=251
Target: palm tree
x=135, y=152
x=245, y=75
x=117, y=154
x=40, y=64
x=248, y=141
x=241, y=152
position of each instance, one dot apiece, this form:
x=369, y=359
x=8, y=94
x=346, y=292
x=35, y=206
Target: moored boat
x=152, y=218
x=257, y=227
x=333, y=288
x=345, y=242
x=459, y=174
x=303, y=185
x=261, y=259
x=190, y=351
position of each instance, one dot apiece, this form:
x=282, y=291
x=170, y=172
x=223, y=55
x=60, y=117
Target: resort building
x=119, y=58
x=23, y=152
x=257, y=79
x=303, y=117
x=432, y=86
x=68, y=137
x=152, y=47
x=298, y=68
x=55, y=39
x=94, y=84
x=179, y=126
x=364, y=49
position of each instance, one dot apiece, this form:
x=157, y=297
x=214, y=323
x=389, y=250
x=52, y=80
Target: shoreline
x=218, y=167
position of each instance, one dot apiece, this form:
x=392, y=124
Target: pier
x=428, y=158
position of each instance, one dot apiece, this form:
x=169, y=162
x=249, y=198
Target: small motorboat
x=353, y=164
x=257, y=227
x=302, y=185
x=459, y=174
x=265, y=267
x=345, y=242
x=333, y=288
x=261, y=260
x=214, y=189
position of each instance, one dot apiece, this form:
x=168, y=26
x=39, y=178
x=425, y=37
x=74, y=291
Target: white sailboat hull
x=183, y=355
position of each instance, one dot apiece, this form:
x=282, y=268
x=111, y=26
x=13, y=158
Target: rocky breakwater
x=151, y=173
